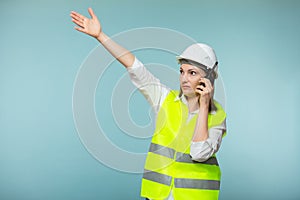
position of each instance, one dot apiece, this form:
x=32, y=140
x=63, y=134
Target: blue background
x=257, y=43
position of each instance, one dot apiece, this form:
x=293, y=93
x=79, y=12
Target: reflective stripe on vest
x=157, y=177
x=180, y=157
x=162, y=150
x=181, y=182
x=197, y=184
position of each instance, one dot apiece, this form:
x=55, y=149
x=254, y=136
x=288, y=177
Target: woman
x=181, y=162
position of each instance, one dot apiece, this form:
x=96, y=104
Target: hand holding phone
x=205, y=91
x=201, y=84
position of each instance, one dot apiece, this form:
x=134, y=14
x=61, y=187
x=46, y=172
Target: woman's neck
x=193, y=103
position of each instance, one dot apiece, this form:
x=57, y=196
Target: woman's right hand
x=90, y=26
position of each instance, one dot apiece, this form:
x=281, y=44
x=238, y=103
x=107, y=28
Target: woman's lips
x=186, y=87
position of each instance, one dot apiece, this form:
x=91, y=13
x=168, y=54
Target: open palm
x=90, y=26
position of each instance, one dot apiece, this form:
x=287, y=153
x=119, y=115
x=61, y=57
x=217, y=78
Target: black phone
x=211, y=75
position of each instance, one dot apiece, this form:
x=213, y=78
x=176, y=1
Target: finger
x=198, y=91
x=206, y=89
x=79, y=23
x=77, y=18
x=201, y=93
x=202, y=83
x=80, y=29
x=77, y=15
x=207, y=83
x=205, y=80
x=200, y=87
x=91, y=12
x=204, y=92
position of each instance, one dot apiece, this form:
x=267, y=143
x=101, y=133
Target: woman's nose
x=183, y=78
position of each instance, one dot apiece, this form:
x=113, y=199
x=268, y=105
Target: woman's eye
x=193, y=73
x=181, y=71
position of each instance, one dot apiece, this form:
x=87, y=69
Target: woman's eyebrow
x=191, y=69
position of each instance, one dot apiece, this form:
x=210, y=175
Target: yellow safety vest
x=169, y=164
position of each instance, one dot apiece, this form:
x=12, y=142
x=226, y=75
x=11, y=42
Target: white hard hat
x=200, y=53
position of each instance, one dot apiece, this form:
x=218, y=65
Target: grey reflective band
x=186, y=158
x=157, y=177
x=183, y=157
x=197, y=184
x=162, y=150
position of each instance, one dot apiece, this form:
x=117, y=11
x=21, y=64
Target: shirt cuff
x=136, y=64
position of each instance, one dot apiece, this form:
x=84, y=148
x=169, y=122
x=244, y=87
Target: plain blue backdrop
x=257, y=43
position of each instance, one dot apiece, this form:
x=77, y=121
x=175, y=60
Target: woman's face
x=189, y=79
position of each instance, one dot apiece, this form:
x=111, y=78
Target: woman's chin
x=189, y=93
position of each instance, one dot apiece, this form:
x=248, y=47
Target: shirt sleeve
x=148, y=84
x=202, y=151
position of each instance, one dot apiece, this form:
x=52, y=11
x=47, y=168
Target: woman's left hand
x=205, y=90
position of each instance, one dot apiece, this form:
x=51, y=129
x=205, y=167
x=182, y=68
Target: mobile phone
x=210, y=74
x=203, y=84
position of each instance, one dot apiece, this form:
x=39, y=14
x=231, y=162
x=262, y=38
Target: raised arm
x=91, y=26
